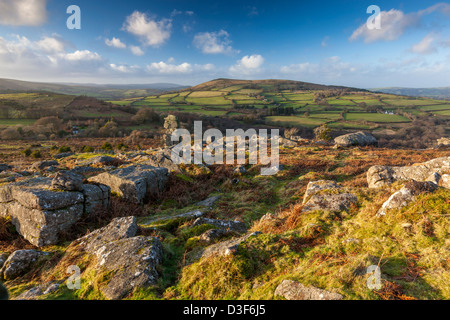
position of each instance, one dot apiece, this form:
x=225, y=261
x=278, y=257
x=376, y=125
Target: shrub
x=87, y=149
x=122, y=146
x=36, y=154
x=26, y=152
x=107, y=146
x=64, y=149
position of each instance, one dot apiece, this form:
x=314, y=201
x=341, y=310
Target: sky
x=190, y=42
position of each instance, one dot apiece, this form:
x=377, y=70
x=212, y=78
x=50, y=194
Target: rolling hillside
x=93, y=90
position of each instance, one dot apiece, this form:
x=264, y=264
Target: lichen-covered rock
x=162, y=159
x=380, y=176
x=406, y=195
x=287, y=143
x=3, y=257
x=293, y=290
x=40, y=214
x=171, y=123
x=132, y=264
x=134, y=183
x=316, y=186
x=226, y=247
x=230, y=226
x=18, y=263
x=67, y=181
x=96, y=196
x=213, y=234
x=63, y=155
x=117, y=229
x=445, y=181
x=333, y=202
x=130, y=260
x=99, y=161
x=356, y=139
x=38, y=291
x=209, y=202
x=163, y=220
x=42, y=165
x=445, y=142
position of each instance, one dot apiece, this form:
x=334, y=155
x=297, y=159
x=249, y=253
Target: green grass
x=375, y=117
x=208, y=101
x=17, y=122
x=443, y=113
x=295, y=120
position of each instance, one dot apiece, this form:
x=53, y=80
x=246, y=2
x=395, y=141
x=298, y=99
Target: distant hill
x=107, y=92
x=281, y=84
x=442, y=93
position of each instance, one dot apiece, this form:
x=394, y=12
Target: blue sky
x=189, y=42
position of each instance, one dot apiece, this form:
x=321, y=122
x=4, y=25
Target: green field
x=295, y=121
x=375, y=117
x=17, y=122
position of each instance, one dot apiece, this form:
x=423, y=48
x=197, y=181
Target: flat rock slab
x=330, y=202
x=380, y=176
x=135, y=183
x=293, y=290
x=225, y=248
x=356, y=139
x=117, y=229
x=18, y=263
x=182, y=216
x=317, y=186
x=406, y=195
x=130, y=260
x=162, y=159
x=229, y=226
x=209, y=202
x=40, y=214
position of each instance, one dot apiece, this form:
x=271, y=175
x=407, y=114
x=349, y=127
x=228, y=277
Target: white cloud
x=393, y=25
x=248, y=65
x=325, y=41
x=426, y=46
x=330, y=69
x=51, y=44
x=137, y=51
x=150, y=32
x=82, y=55
x=183, y=68
x=23, y=12
x=214, y=42
x=123, y=68
x=167, y=68
x=116, y=43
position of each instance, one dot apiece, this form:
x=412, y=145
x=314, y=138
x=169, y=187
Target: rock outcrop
x=327, y=195
x=42, y=165
x=171, y=123
x=162, y=159
x=293, y=290
x=134, y=183
x=40, y=214
x=317, y=186
x=380, y=176
x=356, y=139
x=229, y=226
x=226, y=247
x=406, y=195
x=445, y=181
x=129, y=260
x=18, y=263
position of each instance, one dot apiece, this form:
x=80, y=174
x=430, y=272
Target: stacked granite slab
x=40, y=213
